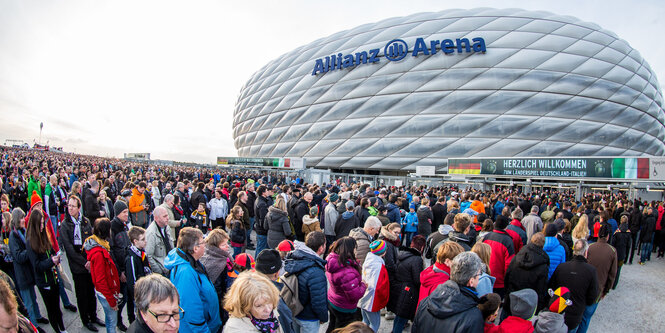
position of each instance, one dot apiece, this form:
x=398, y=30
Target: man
x=581, y=279
x=52, y=201
x=647, y=230
x=91, y=209
x=516, y=230
x=251, y=199
x=439, y=211
x=184, y=199
x=532, y=222
x=307, y=264
x=10, y=319
x=269, y=263
x=436, y=239
x=33, y=184
x=158, y=241
x=330, y=217
x=361, y=211
x=568, y=215
x=364, y=236
x=263, y=201
x=112, y=190
x=346, y=222
x=157, y=302
x=453, y=306
x=242, y=203
x=603, y=257
x=503, y=251
x=138, y=206
x=393, y=209
x=168, y=203
x=119, y=245
x=461, y=226
x=301, y=209
x=74, y=230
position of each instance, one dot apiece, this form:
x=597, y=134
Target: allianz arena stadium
x=416, y=90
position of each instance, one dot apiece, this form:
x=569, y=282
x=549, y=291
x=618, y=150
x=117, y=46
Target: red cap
x=286, y=246
x=245, y=260
x=34, y=199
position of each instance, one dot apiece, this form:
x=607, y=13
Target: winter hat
x=268, y=262
x=312, y=211
x=34, y=199
x=560, y=224
x=501, y=222
x=286, y=246
x=349, y=204
x=378, y=247
x=560, y=299
x=119, y=206
x=412, y=206
x=550, y=230
x=126, y=193
x=333, y=197
x=245, y=260
x=523, y=303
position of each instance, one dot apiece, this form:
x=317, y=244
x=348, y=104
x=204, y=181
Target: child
x=234, y=223
x=311, y=222
x=489, y=306
x=136, y=262
x=522, y=306
x=551, y=319
x=284, y=248
x=200, y=219
x=244, y=262
x=375, y=276
x=410, y=223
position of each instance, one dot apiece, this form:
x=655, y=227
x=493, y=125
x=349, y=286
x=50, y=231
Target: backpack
x=290, y=293
x=548, y=215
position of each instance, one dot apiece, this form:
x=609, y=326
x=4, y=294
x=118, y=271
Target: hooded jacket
x=345, y=223
x=516, y=226
x=393, y=213
x=622, y=242
x=425, y=218
x=549, y=322
x=104, y=274
x=362, y=243
x=516, y=325
x=461, y=239
x=580, y=278
x=197, y=294
x=312, y=283
x=139, y=215
x=405, y=287
x=435, y=240
x=502, y=253
x=528, y=269
x=555, y=252
x=346, y=284
x=450, y=308
x=375, y=276
x=432, y=277
x=278, y=224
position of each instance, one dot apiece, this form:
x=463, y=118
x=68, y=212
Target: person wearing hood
x=306, y=263
x=461, y=226
x=410, y=223
x=120, y=244
x=453, y=306
x=551, y=319
x=311, y=222
x=622, y=243
x=439, y=273
x=523, y=307
x=425, y=217
x=138, y=206
x=346, y=221
x=503, y=251
x=405, y=287
x=486, y=281
x=377, y=293
x=553, y=248
x=437, y=238
x=364, y=236
x=217, y=262
x=528, y=269
x=346, y=285
x=104, y=273
x=277, y=221
x=198, y=297
x=393, y=209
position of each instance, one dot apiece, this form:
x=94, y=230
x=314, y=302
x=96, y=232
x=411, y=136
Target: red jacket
x=503, y=251
x=514, y=324
x=431, y=278
x=103, y=271
x=517, y=240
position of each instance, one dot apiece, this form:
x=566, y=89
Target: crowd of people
x=208, y=250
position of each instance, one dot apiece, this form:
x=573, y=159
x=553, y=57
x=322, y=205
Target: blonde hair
x=217, y=236
x=449, y=250
x=245, y=290
x=582, y=228
x=280, y=203
x=484, y=251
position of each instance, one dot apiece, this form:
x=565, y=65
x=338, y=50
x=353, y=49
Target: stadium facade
x=416, y=90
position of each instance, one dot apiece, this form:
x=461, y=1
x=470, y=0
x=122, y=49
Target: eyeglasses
x=165, y=318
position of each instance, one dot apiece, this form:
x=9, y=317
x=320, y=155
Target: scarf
x=195, y=263
x=269, y=325
x=103, y=243
x=214, y=261
x=141, y=254
x=77, y=231
x=165, y=238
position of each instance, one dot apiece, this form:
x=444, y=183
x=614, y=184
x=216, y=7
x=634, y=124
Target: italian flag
x=630, y=168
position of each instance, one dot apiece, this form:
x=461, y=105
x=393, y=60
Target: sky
x=163, y=77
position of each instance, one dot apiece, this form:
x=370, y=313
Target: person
x=120, y=244
x=581, y=230
x=346, y=222
x=439, y=273
x=551, y=319
x=236, y=227
x=581, y=279
x=252, y=302
x=106, y=205
x=261, y=205
x=136, y=263
x=305, y=262
x=45, y=260
x=553, y=248
x=91, y=209
x=276, y=219
x=647, y=230
x=439, y=212
x=217, y=263
x=453, y=306
x=244, y=218
x=486, y=281
x=74, y=230
x=603, y=257
x=311, y=222
x=522, y=307
x=157, y=309
x=517, y=227
x=405, y=287
x=158, y=241
x=437, y=238
x=364, y=236
x=461, y=227
x=622, y=243
x=425, y=218
x=138, y=206
x=489, y=307
x=198, y=297
x=528, y=269
x=503, y=250
x=330, y=215
x=199, y=219
x=343, y=272
x=354, y=327
x=375, y=277
x=104, y=273
x=10, y=318
x=532, y=223
x=218, y=210
x=175, y=213
x=362, y=211
x=410, y=223
x=242, y=263
x=269, y=263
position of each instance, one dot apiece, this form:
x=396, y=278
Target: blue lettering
x=348, y=61
x=327, y=65
x=318, y=67
x=420, y=47
x=479, y=45
x=339, y=60
x=373, y=55
x=433, y=45
x=447, y=46
x=333, y=62
x=361, y=57
x=462, y=41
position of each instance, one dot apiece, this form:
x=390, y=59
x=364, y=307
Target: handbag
x=65, y=279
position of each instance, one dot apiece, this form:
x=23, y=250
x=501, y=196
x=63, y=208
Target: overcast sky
x=163, y=77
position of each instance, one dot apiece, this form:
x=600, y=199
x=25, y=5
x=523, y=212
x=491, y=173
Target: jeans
x=110, y=315
x=261, y=243
x=30, y=300
x=398, y=324
x=646, y=251
x=586, y=318
x=63, y=294
x=409, y=237
x=54, y=222
x=236, y=251
x=372, y=319
x=305, y=326
x=249, y=231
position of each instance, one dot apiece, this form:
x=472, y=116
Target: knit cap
x=560, y=299
x=245, y=260
x=378, y=247
x=349, y=204
x=286, y=246
x=119, y=206
x=523, y=303
x=268, y=262
x=333, y=197
x=34, y=199
x=314, y=210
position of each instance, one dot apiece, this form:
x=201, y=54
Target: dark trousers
x=341, y=319
x=85, y=297
x=51, y=298
x=660, y=242
x=218, y=223
x=616, y=278
x=128, y=300
x=635, y=237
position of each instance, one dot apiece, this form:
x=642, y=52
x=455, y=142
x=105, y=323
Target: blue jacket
x=556, y=253
x=393, y=213
x=197, y=294
x=485, y=284
x=411, y=222
x=312, y=283
x=498, y=208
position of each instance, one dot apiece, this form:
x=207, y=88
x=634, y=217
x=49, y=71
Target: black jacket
x=90, y=205
x=345, y=223
x=279, y=227
x=460, y=239
x=450, y=308
x=134, y=268
x=528, y=269
x=139, y=325
x=301, y=209
x=648, y=227
x=197, y=198
x=362, y=213
x=75, y=255
x=43, y=267
x=439, y=212
x=119, y=244
x=261, y=210
x=251, y=197
x=25, y=278
x=425, y=220
x=622, y=242
x=635, y=220
x=580, y=278
x=405, y=287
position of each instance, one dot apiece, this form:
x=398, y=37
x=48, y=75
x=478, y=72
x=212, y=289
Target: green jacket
x=33, y=185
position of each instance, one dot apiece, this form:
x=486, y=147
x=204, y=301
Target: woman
x=425, y=218
x=488, y=226
x=486, y=281
x=217, y=262
x=405, y=288
x=237, y=229
x=197, y=294
x=581, y=230
x=104, y=274
x=5, y=205
x=621, y=240
x=391, y=235
x=277, y=220
x=44, y=261
x=218, y=210
x=438, y=273
x=76, y=189
x=106, y=205
x=346, y=285
x=252, y=302
x=156, y=195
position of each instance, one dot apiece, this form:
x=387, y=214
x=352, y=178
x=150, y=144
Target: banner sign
x=657, y=168
x=619, y=168
x=138, y=156
x=296, y=163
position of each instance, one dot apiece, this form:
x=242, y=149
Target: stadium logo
x=396, y=50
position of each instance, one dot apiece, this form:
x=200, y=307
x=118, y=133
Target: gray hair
x=17, y=215
x=580, y=247
x=373, y=222
x=169, y=198
x=535, y=209
x=158, y=210
x=154, y=288
x=518, y=214
x=465, y=266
